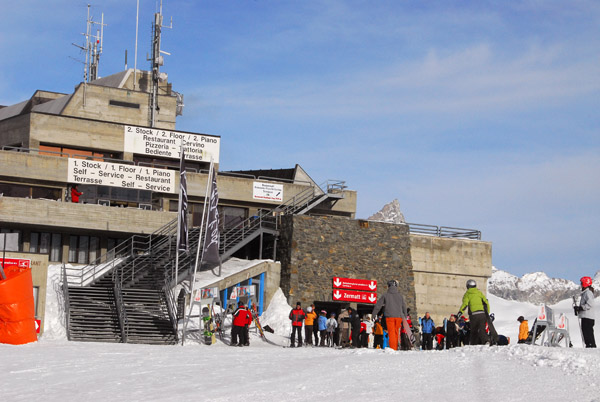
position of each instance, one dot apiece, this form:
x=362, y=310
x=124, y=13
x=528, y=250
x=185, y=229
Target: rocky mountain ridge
x=536, y=287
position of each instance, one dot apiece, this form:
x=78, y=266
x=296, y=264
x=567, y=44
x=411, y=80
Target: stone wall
x=313, y=250
x=442, y=267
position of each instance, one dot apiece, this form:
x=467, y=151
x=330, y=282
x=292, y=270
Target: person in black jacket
x=355, y=326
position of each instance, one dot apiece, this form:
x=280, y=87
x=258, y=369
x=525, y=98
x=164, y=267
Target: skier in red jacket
x=297, y=316
x=241, y=319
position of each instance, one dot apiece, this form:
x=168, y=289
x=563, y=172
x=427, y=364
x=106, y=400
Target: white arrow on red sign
x=354, y=296
x=355, y=284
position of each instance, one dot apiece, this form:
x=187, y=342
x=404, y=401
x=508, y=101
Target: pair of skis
x=576, y=304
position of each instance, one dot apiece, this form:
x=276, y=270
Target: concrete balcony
x=56, y=214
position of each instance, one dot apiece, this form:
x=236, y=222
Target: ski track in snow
x=75, y=371
x=55, y=369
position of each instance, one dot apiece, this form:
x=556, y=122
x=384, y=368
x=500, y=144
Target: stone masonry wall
x=313, y=250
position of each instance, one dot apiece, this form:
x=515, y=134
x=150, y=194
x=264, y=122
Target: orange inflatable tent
x=17, y=309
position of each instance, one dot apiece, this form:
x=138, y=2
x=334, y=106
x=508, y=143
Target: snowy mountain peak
x=389, y=213
x=536, y=287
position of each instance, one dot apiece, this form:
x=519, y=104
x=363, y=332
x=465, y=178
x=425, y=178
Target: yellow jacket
x=310, y=318
x=523, y=330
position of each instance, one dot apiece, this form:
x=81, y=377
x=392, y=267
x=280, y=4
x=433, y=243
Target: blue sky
x=474, y=114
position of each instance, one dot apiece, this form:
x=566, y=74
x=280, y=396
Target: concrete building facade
x=96, y=135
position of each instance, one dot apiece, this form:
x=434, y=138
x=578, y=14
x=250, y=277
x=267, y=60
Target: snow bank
x=54, y=318
x=277, y=315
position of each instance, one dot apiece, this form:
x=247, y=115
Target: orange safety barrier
x=17, y=309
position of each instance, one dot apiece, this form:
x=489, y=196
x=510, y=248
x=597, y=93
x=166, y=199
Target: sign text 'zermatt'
x=356, y=284
x=354, y=296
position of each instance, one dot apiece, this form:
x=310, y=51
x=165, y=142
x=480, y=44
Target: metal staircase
x=127, y=294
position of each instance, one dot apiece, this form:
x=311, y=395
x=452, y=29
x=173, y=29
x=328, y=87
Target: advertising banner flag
x=211, y=239
x=183, y=205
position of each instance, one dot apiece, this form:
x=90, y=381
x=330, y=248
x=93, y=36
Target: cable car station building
x=123, y=154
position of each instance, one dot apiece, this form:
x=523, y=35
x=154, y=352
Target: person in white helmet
x=478, y=305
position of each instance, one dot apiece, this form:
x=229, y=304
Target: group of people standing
x=472, y=325
x=315, y=326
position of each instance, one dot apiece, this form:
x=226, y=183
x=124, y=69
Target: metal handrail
x=444, y=231
x=65, y=287
x=120, y=305
x=137, y=244
x=171, y=303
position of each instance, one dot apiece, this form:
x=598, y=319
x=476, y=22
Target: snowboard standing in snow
x=217, y=321
x=209, y=335
x=410, y=337
x=257, y=322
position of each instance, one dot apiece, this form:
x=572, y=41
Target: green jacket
x=474, y=299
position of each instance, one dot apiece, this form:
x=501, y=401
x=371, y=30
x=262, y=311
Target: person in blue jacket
x=322, y=325
x=427, y=327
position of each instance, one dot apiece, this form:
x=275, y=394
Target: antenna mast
x=156, y=61
x=92, y=47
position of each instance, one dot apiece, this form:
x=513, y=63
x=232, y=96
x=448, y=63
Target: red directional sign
x=355, y=284
x=15, y=262
x=354, y=296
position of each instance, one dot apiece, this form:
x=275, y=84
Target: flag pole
x=200, y=245
x=179, y=204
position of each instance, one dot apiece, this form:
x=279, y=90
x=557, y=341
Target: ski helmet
x=471, y=284
x=309, y=309
x=586, y=282
x=392, y=282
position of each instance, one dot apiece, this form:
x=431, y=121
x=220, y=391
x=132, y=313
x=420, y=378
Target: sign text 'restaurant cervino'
x=167, y=144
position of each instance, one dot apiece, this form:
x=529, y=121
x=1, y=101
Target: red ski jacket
x=297, y=316
x=242, y=317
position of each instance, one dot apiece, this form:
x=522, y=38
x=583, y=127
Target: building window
x=46, y=243
x=12, y=244
x=124, y=104
x=56, y=247
x=232, y=216
x=83, y=249
x=73, y=248
x=65, y=152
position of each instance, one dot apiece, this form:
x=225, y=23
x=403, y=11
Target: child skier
x=378, y=333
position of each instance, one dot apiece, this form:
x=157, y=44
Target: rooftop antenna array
x=155, y=62
x=92, y=47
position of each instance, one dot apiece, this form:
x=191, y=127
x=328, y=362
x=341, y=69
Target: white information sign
x=121, y=175
x=267, y=191
x=167, y=144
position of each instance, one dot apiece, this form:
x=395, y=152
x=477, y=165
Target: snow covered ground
x=55, y=369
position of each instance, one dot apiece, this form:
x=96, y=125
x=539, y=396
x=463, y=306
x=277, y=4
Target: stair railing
x=135, y=245
x=65, y=288
x=171, y=303
x=120, y=305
